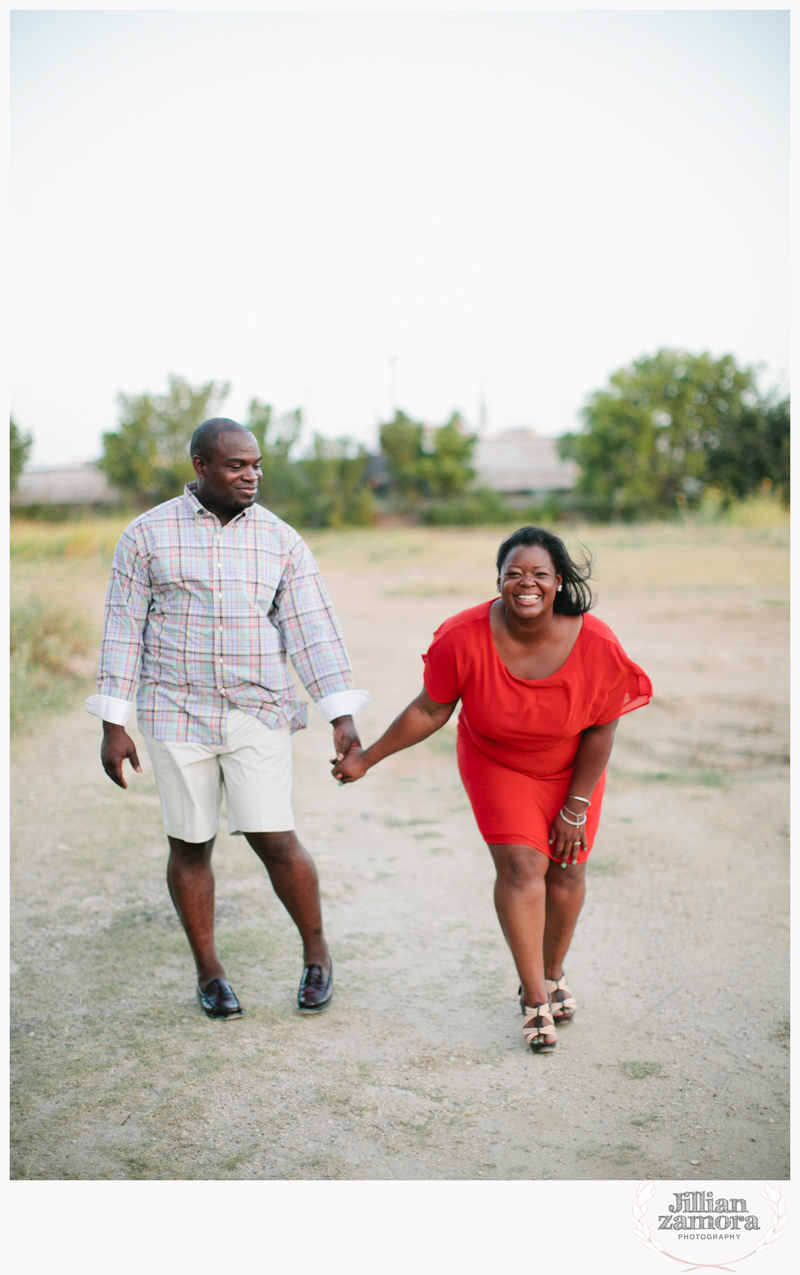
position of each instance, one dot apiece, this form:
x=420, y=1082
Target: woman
x=542, y=684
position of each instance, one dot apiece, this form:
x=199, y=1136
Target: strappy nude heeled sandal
x=538, y=1028
x=562, y=1002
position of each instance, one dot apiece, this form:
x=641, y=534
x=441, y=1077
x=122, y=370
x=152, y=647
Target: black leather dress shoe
x=316, y=988
x=218, y=999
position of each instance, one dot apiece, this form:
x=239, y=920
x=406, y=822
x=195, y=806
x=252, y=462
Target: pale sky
x=513, y=204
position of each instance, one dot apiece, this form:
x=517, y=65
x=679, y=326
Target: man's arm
x=303, y=615
x=128, y=601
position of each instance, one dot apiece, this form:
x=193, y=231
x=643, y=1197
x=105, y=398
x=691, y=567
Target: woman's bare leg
x=566, y=888
x=520, y=896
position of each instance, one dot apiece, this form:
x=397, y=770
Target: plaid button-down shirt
x=204, y=616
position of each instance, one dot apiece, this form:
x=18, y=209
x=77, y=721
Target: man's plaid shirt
x=204, y=616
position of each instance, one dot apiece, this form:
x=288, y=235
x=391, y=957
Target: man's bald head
x=205, y=438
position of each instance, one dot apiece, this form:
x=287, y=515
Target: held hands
x=350, y=768
x=348, y=751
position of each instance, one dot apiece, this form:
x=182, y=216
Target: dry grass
x=48, y=639
x=423, y=561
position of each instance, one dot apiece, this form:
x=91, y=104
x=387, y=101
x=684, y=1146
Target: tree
x=147, y=457
x=21, y=445
x=753, y=450
x=427, y=465
x=669, y=425
x=336, y=491
x=283, y=487
x=324, y=488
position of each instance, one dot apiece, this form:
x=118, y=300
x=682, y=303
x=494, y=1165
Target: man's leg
x=294, y=880
x=191, y=887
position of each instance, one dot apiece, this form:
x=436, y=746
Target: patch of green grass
x=608, y=867
x=708, y=778
x=711, y=778
x=393, y=822
x=641, y=1122
x=639, y=1070
x=782, y=1034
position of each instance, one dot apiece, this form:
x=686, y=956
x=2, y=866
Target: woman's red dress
x=517, y=738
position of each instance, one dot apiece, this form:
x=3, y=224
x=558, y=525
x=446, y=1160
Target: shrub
x=470, y=509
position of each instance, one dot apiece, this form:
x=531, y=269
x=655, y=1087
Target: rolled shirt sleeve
x=342, y=704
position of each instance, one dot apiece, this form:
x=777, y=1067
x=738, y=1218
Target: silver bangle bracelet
x=572, y=797
x=577, y=822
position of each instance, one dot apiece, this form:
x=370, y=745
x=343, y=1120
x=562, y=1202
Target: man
x=208, y=594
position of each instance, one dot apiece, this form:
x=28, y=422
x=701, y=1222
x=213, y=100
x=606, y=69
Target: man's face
x=231, y=478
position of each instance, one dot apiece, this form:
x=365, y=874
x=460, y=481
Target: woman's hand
x=567, y=841
x=350, y=767
x=422, y=717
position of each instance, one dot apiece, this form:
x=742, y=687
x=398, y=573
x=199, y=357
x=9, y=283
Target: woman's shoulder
x=603, y=645
x=458, y=626
x=599, y=630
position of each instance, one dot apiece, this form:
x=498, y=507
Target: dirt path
x=675, y=1067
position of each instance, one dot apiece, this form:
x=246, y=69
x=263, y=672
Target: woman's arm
x=422, y=717
x=591, y=760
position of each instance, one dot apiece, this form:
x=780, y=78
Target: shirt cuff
x=341, y=703
x=111, y=709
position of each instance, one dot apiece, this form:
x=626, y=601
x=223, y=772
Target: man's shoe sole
x=315, y=1009
x=237, y=1013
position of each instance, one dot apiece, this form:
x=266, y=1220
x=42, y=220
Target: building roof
x=515, y=460
x=64, y=485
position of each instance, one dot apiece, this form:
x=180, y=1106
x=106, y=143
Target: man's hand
x=117, y=745
x=350, y=768
x=345, y=737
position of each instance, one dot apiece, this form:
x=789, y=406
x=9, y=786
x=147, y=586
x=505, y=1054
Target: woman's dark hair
x=575, y=596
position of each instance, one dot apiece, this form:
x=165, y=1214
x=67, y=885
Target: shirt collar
x=199, y=510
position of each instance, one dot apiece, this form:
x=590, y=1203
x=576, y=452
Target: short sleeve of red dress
x=442, y=665
x=622, y=686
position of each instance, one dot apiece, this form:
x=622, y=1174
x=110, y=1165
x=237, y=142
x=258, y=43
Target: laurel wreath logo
x=648, y=1189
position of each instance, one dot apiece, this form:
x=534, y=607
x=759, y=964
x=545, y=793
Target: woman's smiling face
x=528, y=582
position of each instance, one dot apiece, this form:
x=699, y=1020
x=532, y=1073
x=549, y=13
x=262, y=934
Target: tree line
x=665, y=430
x=670, y=426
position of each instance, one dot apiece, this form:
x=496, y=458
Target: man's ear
x=199, y=465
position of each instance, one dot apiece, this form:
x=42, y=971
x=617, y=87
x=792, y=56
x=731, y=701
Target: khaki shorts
x=255, y=767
